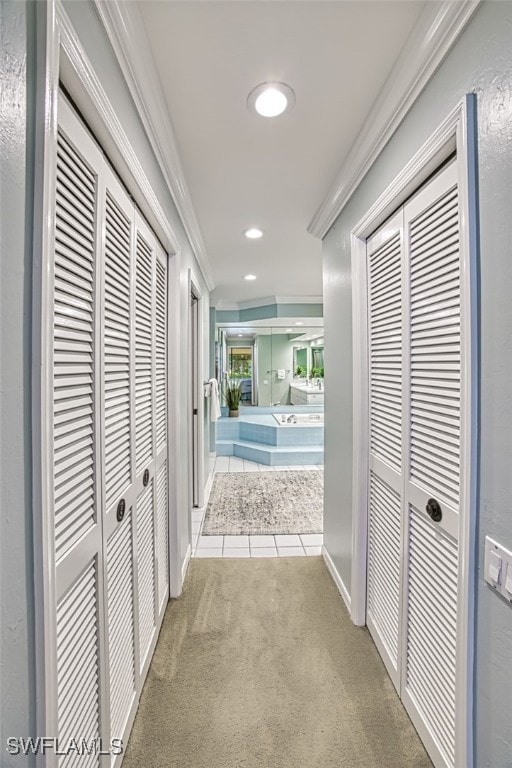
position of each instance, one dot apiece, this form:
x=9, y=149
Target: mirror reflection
x=275, y=364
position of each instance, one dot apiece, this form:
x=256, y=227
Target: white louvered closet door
x=150, y=395
x=108, y=441
x=385, y=503
x=77, y=624
x=416, y=400
x=119, y=480
x=435, y=404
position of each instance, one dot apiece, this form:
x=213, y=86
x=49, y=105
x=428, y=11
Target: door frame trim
x=457, y=133
x=194, y=289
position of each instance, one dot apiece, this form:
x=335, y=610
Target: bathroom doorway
x=241, y=370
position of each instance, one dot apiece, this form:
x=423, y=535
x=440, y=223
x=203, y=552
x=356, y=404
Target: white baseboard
x=184, y=567
x=208, y=487
x=337, y=578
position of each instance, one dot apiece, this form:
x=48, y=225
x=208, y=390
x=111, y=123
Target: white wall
x=480, y=62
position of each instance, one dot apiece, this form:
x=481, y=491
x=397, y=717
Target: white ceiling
x=243, y=170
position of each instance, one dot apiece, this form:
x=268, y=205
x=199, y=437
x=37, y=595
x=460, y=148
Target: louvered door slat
x=78, y=666
x=120, y=625
x=161, y=356
x=73, y=351
x=143, y=353
x=117, y=350
x=386, y=351
x=432, y=622
x=439, y=374
x=146, y=569
x=162, y=551
x=384, y=563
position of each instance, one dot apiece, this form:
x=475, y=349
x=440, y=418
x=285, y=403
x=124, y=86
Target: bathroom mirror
x=317, y=362
x=300, y=362
x=277, y=362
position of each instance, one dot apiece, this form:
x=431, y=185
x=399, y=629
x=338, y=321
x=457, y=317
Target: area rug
x=265, y=503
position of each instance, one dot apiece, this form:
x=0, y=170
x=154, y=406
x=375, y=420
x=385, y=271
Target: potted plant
x=233, y=396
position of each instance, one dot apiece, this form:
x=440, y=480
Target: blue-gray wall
x=481, y=62
x=17, y=662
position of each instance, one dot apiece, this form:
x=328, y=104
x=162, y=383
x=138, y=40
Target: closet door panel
x=121, y=621
x=162, y=491
x=162, y=536
x=78, y=667
x=73, y=429
x=434, y=466
x=108, y=439
x=117, y=344
x=144, y=351
x=74, y=349
x=146, y=570
x=385, y=321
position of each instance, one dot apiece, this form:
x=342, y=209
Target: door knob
x=434, y=510
x=145, y=477
x=121, y=509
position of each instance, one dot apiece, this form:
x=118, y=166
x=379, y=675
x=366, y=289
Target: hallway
x=259, y=666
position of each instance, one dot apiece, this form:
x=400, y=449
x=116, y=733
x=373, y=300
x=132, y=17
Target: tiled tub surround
x=259, y=438
x=284, y=545
x=299, y=419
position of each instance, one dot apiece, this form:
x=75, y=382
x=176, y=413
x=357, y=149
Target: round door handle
x=145, y=477
x=121, y=509
x=434, y=510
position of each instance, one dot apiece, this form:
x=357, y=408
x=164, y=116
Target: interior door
x=417, y=386
x=194, y=394
x=77, y=621
x=385, y=504
x=108, y=439
x=434, y=469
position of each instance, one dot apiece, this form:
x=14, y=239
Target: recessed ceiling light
x=240, y=335
x=271, y=99
x=249, y=277
x=254, y=233
x=288, y=330
x=299, y=322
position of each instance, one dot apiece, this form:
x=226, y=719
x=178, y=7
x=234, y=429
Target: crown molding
x=77, y=71
x=434, y=34
x=125, y=28
x=266, y=301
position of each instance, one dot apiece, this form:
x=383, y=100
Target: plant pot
x=234, y=414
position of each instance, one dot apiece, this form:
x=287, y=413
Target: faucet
x=291, y=419
x=319, y=383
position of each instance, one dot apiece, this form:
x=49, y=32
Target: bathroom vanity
x=303, y=394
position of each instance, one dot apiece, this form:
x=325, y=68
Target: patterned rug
x=265, y=503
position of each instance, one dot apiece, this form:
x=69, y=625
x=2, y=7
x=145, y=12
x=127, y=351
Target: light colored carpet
x=265, y=503
x=259, y=666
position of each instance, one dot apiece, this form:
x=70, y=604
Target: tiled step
x=280, y=435
x=276, y=455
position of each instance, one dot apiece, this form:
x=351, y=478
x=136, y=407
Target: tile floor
x=285, y=545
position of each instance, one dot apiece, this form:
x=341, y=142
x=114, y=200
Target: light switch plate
x=498, y=568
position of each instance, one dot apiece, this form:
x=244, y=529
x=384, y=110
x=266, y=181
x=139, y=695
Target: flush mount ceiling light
x=249, y=277
x=254, y=233
x=271, y=99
